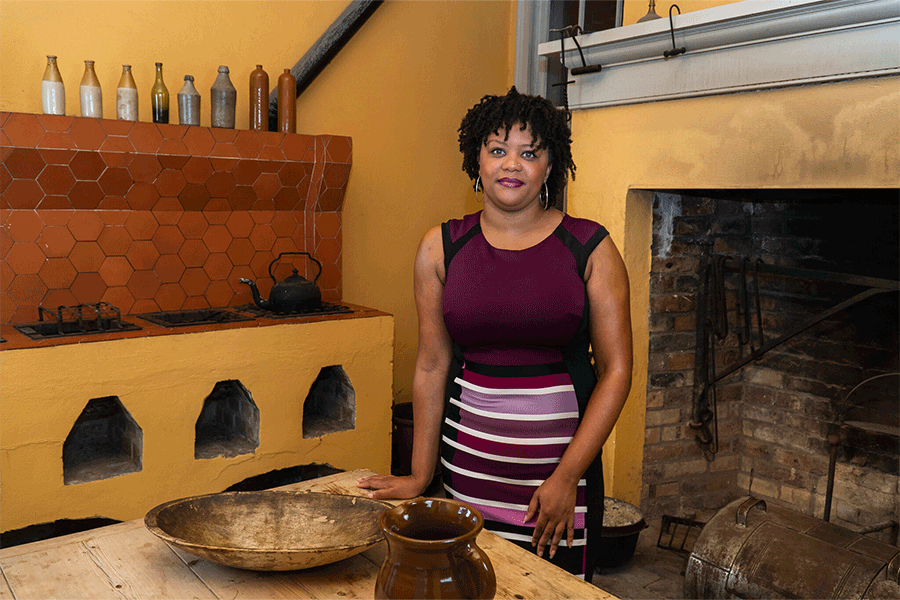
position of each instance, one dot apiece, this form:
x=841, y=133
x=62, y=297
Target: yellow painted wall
x=841, y=135
x=162, y=382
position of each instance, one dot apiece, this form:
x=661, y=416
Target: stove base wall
x=162, y=382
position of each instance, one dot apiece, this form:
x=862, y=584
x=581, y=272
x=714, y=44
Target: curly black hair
x=549, y=124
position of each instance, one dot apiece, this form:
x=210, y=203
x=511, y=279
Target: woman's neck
x=517, y=230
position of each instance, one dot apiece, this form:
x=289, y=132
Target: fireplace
x=732, y=274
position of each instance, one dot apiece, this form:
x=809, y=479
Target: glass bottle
x=259, y=99
x=53, y=92
x=126, y=96
x=91, y=95
x=188, y=103
x=223, y=97
x=159, y=98
x=287, y=102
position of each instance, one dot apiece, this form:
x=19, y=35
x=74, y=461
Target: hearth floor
x=653, y=574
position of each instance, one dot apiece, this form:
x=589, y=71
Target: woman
x=509, y=301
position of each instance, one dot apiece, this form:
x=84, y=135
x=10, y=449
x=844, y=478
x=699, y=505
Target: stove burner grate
x=327, y=308
x=82, y=319
x=200, y=316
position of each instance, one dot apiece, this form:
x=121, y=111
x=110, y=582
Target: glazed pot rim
x=416, y=503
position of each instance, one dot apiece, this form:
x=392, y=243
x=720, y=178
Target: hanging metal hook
x=674, y=51
x=575, y=30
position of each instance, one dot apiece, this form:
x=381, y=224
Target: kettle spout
x=264, y=304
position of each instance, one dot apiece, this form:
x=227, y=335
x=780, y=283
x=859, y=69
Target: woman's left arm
x=610, y=329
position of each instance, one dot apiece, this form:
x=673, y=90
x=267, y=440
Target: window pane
x=599, y=15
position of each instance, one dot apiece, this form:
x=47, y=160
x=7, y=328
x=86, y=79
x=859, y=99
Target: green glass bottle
x=159, y=98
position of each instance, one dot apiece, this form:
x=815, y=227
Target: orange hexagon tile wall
x=155, y=217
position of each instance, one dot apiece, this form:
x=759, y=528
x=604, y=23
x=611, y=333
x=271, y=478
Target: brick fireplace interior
x=774, y=416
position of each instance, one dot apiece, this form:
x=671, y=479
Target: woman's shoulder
x=457, y=228
x=583, y=229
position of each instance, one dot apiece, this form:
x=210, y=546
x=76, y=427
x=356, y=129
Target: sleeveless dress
x=520, y=378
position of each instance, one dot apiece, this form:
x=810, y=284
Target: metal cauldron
x=754, y=549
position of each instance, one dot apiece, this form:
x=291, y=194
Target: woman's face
x=512, y=171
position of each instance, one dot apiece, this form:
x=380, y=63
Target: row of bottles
x=223, y=98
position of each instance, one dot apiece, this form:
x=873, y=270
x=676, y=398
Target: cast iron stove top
x=326, y=308
x=199, y=316
x=82, y=319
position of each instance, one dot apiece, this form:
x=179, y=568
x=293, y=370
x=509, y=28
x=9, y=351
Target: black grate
x=326, y=308
x=200, y=316
x=681, y=533
x=82, y=319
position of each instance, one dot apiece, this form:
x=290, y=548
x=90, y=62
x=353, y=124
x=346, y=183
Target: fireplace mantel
x=739, y=47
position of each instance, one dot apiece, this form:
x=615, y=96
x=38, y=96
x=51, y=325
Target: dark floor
x=654, y=572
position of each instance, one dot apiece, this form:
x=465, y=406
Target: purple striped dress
x=521, y=375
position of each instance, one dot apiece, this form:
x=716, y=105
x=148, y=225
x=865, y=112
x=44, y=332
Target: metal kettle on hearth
x=292, y=295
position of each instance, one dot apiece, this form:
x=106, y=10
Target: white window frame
x=744, y=46
x=533, y=29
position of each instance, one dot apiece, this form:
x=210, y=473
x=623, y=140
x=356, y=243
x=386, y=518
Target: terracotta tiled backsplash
x=152, y=217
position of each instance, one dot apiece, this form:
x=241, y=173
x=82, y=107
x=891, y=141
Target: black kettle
x=293, y=295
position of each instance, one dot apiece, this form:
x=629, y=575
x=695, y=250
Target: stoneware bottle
x=188, y=103
x=91, y=96
x=53, y=92
x=126, y=96
x=259, y=99
x=223, y=97
x=287, y=102
x=159, y=97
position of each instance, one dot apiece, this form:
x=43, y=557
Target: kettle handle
x=311, y=257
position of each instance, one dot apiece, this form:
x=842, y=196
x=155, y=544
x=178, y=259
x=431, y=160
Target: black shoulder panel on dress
x=451, y=247
x=580, y=251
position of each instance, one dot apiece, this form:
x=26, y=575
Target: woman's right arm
x=429, y=380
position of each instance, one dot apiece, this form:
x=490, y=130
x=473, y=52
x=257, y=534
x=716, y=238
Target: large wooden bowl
x=269, y=530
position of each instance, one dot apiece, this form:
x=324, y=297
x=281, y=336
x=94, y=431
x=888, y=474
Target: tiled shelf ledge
x=155, y=217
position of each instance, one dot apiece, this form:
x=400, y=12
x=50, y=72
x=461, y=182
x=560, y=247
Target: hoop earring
x=545, y=197
x=477, y=189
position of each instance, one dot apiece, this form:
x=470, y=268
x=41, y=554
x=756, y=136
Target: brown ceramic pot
x=432, y=552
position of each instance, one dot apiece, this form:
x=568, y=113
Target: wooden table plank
x=67, y=571
x=349, y=578
x=137, y=565
x=5, y=592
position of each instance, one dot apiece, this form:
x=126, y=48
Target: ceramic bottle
x=91, y=95
x=188, y=103
x=126, y=96
x=259, y=99
x=223, y=97
x=53, y=92
x=159, y=98
x=287, y=102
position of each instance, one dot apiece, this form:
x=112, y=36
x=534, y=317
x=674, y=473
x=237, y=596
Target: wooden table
x=127, y=561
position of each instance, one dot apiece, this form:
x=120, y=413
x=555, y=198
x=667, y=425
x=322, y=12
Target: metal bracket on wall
x=712, y=324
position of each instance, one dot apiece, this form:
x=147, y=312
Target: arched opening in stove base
x=330, y=406
x=228, y=425
x=104, y=442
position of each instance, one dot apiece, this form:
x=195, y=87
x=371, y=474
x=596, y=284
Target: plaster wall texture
x=162, y=382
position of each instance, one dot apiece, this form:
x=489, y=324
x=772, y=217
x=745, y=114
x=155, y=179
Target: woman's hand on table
x=554, y=504
x=390, y=487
